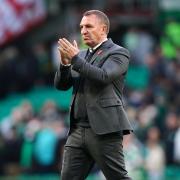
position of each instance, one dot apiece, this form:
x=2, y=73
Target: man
x=97, y=117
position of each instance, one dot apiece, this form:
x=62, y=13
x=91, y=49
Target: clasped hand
x=67, y=50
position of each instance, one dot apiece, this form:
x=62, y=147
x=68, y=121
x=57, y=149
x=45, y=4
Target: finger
x=62, y=53
x=61, y=50
x=67, y=42
x=61, y=47
x=59, y=42
x=63, y=44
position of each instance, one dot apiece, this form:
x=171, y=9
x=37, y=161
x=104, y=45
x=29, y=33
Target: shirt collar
x=94, y=48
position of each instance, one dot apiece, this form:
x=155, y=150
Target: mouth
x=86, y=38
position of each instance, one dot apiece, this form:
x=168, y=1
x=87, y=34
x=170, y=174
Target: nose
x=83, y=30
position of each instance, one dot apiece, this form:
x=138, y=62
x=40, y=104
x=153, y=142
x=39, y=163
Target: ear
x=104, y=29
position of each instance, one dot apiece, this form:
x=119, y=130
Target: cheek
x=95, y=34
x=98, y=36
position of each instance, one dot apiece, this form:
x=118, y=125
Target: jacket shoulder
x=121, y=50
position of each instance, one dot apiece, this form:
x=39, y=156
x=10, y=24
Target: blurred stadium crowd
x=32, y=141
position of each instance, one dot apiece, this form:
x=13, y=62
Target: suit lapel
x=83, y=53
x=94, y=57
x=101, y=50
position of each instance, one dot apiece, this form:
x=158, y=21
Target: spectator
x=155, y=157
x=177, y=145
x=169, y=136
x=133, y=151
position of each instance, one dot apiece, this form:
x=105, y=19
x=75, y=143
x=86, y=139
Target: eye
x=89, y=26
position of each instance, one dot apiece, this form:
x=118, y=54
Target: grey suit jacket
x=103, y=86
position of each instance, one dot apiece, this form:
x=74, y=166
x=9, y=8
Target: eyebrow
x=85, y=25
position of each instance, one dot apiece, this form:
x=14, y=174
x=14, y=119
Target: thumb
x=75, y=44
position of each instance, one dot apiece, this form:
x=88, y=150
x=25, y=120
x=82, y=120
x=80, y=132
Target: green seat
x=37, y=96
x=137, y=77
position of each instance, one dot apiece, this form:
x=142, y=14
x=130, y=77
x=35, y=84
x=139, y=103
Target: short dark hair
x=102, y=17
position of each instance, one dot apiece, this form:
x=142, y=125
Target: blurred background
x=34, y=115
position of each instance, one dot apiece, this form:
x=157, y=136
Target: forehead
x=90, y=19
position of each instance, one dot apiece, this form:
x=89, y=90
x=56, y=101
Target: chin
x=88, y=43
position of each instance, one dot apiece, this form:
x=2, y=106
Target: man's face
x=93, y=31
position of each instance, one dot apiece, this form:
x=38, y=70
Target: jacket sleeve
x=113, y=67
x=63, y=78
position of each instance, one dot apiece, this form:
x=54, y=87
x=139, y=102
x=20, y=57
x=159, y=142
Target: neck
x=99, y=43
